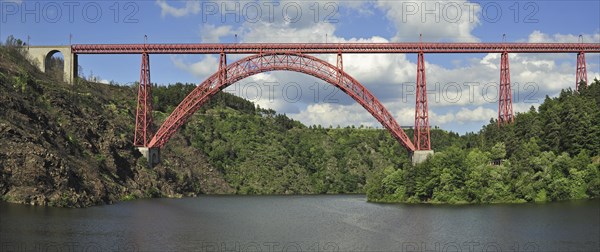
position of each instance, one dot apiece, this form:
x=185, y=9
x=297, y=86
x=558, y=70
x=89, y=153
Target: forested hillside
x=64, y=145
x=260, y=151
x=71, y=145
x=548, y=154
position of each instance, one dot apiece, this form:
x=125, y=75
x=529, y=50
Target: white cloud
x=329, y=114
x=475, y=115
x=405, y=114
x=190, y=7
x=540, y=37
x=442, y=119
x=286, y=32
x=209, y=33
x=201, y=69
x=344, y=115
x=436, y=20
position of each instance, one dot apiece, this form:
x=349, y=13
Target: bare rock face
x=70, y=146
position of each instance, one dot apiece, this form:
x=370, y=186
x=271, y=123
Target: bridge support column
x=505, y=110
x=143, y=118
x=70, y=68
x=421, y=133
x=581, y=74
x=75, y=73
x=152, y=155
x=222, y=68
x=340, y=68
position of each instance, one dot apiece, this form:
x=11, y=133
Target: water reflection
x=300, y=223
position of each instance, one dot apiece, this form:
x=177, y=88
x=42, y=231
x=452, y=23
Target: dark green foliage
x=260, y=152
x=547, y=155
x=544, y=156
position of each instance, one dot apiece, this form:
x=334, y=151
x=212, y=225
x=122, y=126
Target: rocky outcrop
x=70, y=146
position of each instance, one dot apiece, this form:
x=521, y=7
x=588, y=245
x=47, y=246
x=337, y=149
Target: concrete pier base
x=152, y=155
x=420, y=156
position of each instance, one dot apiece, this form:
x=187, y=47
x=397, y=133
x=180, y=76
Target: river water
x=300, y=223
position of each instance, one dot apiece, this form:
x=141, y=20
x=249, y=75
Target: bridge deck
x=332, y=48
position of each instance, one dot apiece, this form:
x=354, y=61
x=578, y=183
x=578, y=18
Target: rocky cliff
x=71, y=145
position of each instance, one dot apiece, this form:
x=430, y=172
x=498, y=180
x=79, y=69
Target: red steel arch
x=277, y=61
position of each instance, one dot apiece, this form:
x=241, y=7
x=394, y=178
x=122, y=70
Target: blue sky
x=461, y=86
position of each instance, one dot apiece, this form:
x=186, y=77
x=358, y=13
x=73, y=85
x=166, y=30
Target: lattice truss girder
x=421, y=132
x=505, y=109
x=581, y=73
x=143, y=118
x=256, y=48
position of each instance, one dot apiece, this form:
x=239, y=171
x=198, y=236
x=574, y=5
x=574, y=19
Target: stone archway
x=41, y=54
x=53, y=64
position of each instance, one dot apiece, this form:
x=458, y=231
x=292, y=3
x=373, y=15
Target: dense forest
x=262, y=152
x=548, y=154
